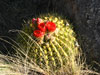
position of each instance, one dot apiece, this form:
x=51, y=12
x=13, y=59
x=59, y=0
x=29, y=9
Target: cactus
x=55, y=48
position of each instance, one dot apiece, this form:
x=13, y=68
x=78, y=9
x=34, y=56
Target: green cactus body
x=56, y=50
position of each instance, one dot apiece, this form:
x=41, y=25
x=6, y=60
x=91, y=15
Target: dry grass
x=21, y=64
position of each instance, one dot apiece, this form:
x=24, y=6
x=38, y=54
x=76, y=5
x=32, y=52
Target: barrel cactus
x=54, y=41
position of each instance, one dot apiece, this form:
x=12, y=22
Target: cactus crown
x=57, y=44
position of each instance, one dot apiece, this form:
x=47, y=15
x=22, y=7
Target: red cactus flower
x=38, y=33
x=33, y=21
x=39, y=20
x=51, y=26
x=42, y=27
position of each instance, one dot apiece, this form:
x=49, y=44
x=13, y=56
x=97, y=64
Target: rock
x=12, y=14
